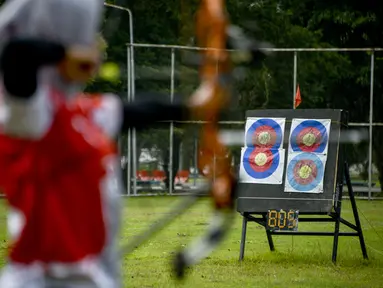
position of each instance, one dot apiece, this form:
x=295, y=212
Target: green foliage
x=326, y=79
x=350, y=24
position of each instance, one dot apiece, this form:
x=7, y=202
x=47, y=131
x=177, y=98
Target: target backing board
x=305, y=172
x=256, y=197
x=309, y=135
x=264, y=132
x=260, y=165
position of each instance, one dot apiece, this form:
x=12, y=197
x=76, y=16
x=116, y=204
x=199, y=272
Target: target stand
x=261, y=203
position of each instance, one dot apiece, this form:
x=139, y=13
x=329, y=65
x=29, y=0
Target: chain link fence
x=170, y=152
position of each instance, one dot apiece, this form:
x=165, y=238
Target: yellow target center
x=309, y=139
x=260, y=159
x=264, y=138
x=305, y=172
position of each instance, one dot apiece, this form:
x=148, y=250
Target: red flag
x=298, y=99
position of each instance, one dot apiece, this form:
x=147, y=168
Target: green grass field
x=298, y=261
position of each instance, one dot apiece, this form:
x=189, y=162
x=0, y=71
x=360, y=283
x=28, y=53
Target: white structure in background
x=146, y=157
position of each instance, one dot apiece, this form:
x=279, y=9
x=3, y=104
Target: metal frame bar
x=130, y=95
x=171, y=134
x=262, y=49
x=370, y=124
x=129, y=140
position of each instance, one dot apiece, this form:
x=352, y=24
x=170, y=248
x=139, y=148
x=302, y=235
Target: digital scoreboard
x=281, y=220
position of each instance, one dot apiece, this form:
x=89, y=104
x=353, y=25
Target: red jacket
x=55, y=183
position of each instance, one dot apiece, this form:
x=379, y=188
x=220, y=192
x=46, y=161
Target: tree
x=350, y=24
x=327, y=80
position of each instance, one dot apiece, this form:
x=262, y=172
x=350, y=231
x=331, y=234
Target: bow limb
x=212, y=25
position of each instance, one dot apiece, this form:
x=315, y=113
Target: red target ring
x=264, y=137
x=260, y=163
x=305, y=172
x=260, y=160
x=309, y=139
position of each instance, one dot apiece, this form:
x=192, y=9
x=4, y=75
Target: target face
x=309, y=135
x=305, y=172
x=261, y=165
x=264, y=132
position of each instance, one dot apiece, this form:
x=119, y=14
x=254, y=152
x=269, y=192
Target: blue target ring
x=261, y=171
x=310, y=181
x=270, y=125
x=317, y=128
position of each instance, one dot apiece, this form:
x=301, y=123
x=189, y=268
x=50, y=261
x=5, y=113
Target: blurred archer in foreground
x=59, y=166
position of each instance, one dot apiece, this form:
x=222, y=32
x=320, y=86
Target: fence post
x=130, y=84
x=128, y=161
x=370, y=124
x=134, y=134
x=171, y=124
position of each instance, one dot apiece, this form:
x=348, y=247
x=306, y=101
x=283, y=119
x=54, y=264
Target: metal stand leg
x=243, y=237
x=336, y=238
x=355, y=212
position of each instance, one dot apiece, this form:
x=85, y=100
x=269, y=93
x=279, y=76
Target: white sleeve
x=27, y=118
x=109, y=115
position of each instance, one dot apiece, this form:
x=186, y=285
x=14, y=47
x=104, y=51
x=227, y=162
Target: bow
x=213, y=95
x=208, y=100
x=214, y=33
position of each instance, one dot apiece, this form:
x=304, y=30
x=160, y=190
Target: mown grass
x=298, y=261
